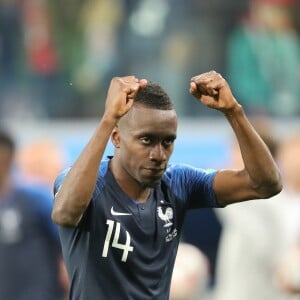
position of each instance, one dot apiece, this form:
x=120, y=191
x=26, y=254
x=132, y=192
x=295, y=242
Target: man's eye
x=146, y=140
x=168, y=142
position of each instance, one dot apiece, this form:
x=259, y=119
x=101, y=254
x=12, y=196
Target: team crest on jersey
x=166, y=216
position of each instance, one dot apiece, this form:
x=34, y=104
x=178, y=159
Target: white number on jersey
x=115, y=243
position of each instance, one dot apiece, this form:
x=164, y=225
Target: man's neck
x=130, y=186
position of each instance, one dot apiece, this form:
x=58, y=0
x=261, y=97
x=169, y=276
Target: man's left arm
x=260, y=177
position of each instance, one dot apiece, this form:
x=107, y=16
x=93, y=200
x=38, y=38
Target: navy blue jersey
x=29, y=245
x=123, y=249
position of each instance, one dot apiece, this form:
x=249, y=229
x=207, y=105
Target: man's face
x=144, y=142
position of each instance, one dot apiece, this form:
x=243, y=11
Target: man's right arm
x=76, y=190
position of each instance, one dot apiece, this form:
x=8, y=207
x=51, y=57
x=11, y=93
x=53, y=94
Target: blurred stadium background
x=57, y=59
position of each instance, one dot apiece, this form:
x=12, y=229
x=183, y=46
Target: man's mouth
x=155, y=170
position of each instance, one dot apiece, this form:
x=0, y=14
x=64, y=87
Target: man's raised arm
x=260, y=177
x=77, y=188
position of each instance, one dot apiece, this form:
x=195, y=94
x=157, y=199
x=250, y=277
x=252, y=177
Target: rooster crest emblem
x=167, y=216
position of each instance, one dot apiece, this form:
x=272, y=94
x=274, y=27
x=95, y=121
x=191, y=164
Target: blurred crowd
x=57, y=58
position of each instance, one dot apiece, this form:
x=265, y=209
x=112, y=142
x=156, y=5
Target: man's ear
x=115, y=137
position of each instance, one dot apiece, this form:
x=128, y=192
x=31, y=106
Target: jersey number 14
x=115, y=242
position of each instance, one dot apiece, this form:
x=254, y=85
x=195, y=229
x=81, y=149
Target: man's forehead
x=149, y=120
x=140, y=113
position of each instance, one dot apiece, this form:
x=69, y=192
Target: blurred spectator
x=100, y=21
x=40, y=161
x=264, y=59
x=39, y=47
x=289, y=268
x=30, y=255
x=141, y=38
x=43, y=65
x=10, y=54
x=254, y=238
x=191, y=274
x=288, y=276
x=205, y=221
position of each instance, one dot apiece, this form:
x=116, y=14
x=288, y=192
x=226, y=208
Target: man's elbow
x=63, y=219
x=274, y=190
x=271, y=188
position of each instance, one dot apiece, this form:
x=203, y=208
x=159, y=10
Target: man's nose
x=157, y=153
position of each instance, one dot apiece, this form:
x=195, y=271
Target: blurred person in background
x=263, y=59
x=191, y=274
x=255, y=236
x=10, y=55
x=30, y=254
x=42, y=61
x=40, y=161
x=120, y=218
x=288, y=276
x=99, y=22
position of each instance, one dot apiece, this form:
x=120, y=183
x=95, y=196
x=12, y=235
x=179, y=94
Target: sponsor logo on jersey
x=116, y=213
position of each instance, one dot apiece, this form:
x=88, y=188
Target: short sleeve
x=192, y=185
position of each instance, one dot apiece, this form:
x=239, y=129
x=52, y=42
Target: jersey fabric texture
x=123, y=249
x=29, y=245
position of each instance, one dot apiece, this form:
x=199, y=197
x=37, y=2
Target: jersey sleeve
x=194, y=186
x=99, y=184
x=85, y=221
x=59, y=180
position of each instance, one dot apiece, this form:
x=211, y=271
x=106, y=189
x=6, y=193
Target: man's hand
x=120, y=96
x=212, y=90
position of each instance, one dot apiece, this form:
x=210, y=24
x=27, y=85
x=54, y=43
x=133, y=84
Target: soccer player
x=120, y=218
